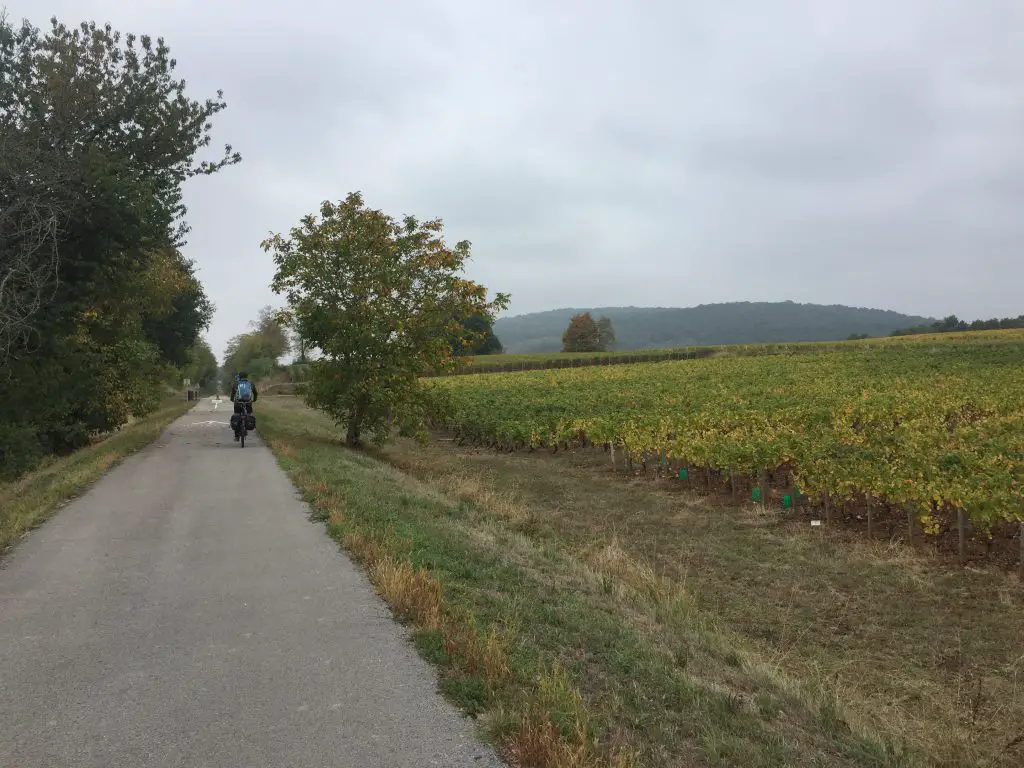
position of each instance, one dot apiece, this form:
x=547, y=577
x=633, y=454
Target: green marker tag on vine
x=682, y=474
x=756, y=494
x=787, y=502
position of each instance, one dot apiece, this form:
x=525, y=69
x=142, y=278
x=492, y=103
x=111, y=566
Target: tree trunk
x=355, y=419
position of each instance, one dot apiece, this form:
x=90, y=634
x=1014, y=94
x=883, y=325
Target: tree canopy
x=381, y=299
x=584, y=334
x=98, y=305
x=258, y=351
x=477, y=337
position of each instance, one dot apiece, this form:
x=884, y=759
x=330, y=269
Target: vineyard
x=930, y=425
x=545, y=361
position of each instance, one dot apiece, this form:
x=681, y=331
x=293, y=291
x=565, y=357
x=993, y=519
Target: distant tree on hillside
x=582, y=335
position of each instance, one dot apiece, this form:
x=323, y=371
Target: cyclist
x=243, y=395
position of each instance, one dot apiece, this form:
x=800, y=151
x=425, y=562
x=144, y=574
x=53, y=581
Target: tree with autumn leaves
x=584, y=334
x=384, y=301
x=99, y=307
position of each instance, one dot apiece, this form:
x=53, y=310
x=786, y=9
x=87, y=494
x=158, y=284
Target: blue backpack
x=244, y=392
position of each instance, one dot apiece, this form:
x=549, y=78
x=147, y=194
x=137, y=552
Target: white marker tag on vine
x=815, y=522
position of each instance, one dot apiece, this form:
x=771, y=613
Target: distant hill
x=741, y=322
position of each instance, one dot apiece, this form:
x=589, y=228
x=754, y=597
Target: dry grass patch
x=475, y=489
x=413, y=594
x=478, y=653
x=365, y=549
x=472, y=488
x=556, y=731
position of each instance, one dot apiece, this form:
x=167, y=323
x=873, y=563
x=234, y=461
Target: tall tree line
x=259, y=351
x=953, y=324
x=98, y=305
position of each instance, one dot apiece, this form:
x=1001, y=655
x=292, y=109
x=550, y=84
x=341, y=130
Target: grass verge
x=905, y=644
x=28, y=501
x=570, y=649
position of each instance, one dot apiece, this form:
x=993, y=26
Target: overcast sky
x=630, y=152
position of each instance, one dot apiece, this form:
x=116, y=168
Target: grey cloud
x=848, y=125
x=607, y=153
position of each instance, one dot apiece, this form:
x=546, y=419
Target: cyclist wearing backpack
x=243, y=395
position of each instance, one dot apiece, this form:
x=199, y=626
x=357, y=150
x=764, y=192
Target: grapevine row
x=931, y=425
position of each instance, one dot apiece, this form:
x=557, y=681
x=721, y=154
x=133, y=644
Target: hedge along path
x=933, y=425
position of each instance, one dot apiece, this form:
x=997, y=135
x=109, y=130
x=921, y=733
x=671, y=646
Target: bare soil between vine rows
x=888, y=522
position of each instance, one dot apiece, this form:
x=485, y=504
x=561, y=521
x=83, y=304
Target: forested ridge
x=737, y=322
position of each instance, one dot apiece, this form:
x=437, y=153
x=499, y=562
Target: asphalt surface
x=185, y=612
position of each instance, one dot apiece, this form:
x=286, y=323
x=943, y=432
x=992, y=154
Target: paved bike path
x=185, y=612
